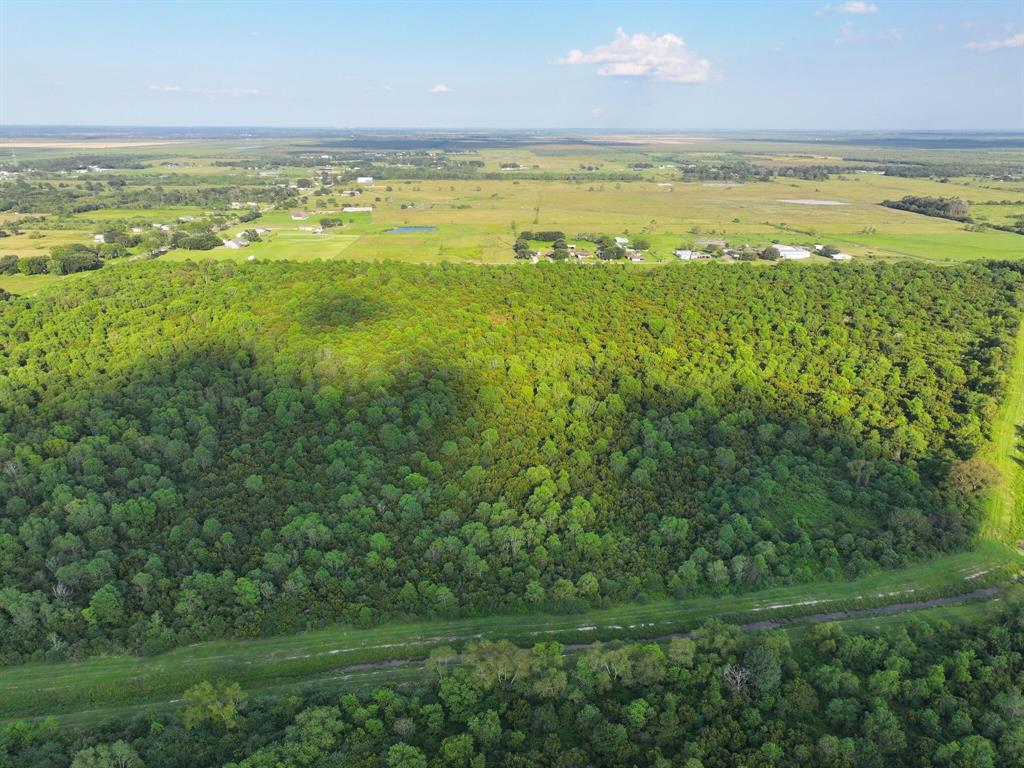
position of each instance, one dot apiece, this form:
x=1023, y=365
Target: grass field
x=477, y=220
x=1004, y=518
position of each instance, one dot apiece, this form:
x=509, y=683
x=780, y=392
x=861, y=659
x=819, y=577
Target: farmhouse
x=841, y=257
x=791, y=252
x=236, y=244
x=621, y=240
x=99, y=238
x=357, y=209
x=299, y=215
x=684, y=254
x=364, y=179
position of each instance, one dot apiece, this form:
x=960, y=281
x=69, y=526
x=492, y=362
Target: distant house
x=299, y=215
x=841, y=257
x=621, y=240
x=684, y=254
x=636, y=257
x=186, y=219
x=791, y=252
x=357, y=209
x=236, y=206
x=235, y=244
x=262, y=230
x=364, y=179
x=99, y=238
x=350, y=193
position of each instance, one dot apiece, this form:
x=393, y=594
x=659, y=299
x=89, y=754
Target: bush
x=33, y=265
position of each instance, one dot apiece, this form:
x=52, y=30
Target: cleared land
x=1005, y=509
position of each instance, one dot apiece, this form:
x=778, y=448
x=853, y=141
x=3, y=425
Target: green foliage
x=943, y=207
x=219, y=704
x=196, y=451
x=953, y=699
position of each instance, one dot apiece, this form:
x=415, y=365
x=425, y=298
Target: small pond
x=398, y=230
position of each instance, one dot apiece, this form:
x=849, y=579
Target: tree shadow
x=432, y=482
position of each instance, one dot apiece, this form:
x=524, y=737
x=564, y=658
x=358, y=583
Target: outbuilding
x=791, y=252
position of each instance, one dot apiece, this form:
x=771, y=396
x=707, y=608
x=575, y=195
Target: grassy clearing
x=1004, y=519
x=120, y=683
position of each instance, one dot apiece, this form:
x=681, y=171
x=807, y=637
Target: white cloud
x=857, y=7
x=1014, y=41
x=440, y=88
x=388, y=88
x=597, y=111
x=211, y=92
x=664, y=59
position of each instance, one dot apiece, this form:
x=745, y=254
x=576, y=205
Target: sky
x=606, y=66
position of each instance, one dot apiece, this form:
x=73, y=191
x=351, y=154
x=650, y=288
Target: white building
x=357, y=209
x=235, y=244
x=364, y=179
x=791, y=252
x=621, y=240
x=299, y=215
x=841, y=257
x=99, y=238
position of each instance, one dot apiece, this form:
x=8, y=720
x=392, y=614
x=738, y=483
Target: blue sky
x=604, y=66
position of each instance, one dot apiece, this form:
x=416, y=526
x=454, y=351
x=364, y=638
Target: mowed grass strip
x=1004, y=518
x=125, y=681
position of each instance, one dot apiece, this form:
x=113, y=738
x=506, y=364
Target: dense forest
x=197, y=450
x=921, y=695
